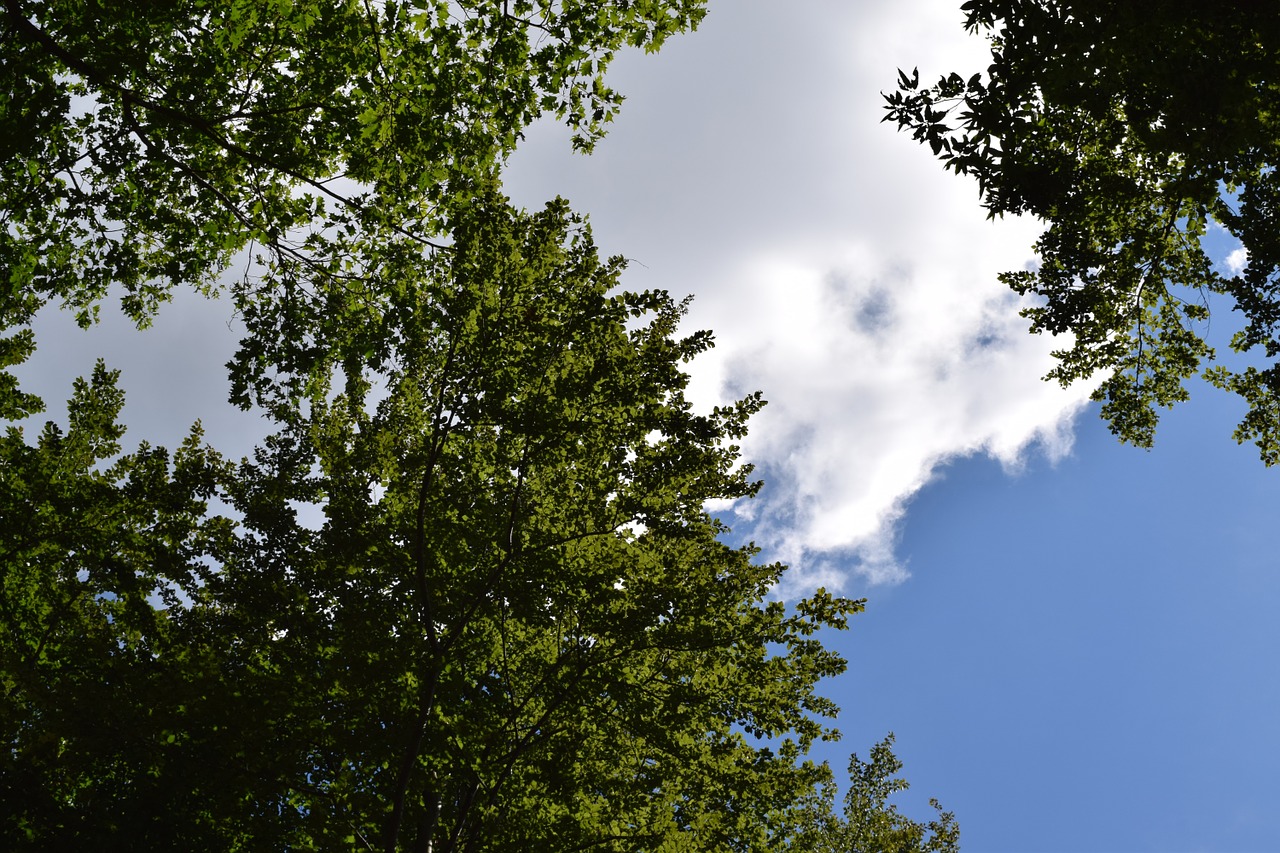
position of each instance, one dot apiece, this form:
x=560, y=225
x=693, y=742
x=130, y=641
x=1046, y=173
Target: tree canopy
x=142, y=146
x=1131, y=129
x=515, y=627
x=466, y=595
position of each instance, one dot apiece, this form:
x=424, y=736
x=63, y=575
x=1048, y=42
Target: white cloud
x=1236, y=260
x=874, y=380
x=844, y=273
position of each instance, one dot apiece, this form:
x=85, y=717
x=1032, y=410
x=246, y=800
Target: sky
x=1070, y=638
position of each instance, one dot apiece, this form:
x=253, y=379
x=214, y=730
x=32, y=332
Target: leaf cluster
x=142, y=147
x=868, y=820
x=1130, y=129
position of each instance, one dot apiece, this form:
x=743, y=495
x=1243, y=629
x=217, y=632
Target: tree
x=515, y=628
x=869, y=821
x=465, y=596
x=1131, y=129
x=143, y=146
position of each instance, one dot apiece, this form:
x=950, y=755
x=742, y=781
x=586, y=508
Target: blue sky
x=1072, y=639
x=1082, y=659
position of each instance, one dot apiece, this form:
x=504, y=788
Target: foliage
x=465, y=596
x=94, y=558
x=515, y=627
x=870, y=823
x=1131, y=129
x=143, y=145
